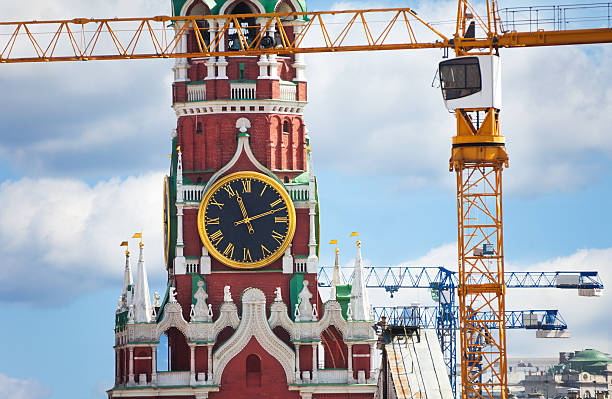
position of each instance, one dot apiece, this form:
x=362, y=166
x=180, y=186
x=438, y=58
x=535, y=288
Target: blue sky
x=84, y=148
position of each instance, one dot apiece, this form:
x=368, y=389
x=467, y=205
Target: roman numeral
x=230, y=190
x=281, y=219
x=229, y=251
x=212, y=221
x=278, y=237
x=264, y=250
x=262, y=191
x=214, y=202
x=246, y=255
x=246, y=186
x=216, y=237
x=278, y=201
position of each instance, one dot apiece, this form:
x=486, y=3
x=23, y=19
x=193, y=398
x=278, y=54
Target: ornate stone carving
x=254, y=324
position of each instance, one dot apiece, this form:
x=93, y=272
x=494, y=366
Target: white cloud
x=67, y=233
x=14, y=388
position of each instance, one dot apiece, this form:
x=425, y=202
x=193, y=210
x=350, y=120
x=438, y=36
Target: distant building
x=583, y=374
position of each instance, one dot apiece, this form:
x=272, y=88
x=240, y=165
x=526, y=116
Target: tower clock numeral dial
x=246, y=220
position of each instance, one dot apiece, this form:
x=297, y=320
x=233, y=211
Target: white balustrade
x=301, y=265
x=192, y=266
x=288, y=91
x=196, y=92
x=332, y=376
x=173, y=378
x=299, y=193
x=243, y=91
x=192, y=193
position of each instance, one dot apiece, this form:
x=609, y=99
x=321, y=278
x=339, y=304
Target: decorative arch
x=254, y=324
x=256, y=7
x=285, y=6
x=332, y=316
x=173, y=317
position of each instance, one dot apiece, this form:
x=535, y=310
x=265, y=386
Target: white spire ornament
x=360, y=306
x=142, y=301
x=128, y=283
x=336, y=276
x=305, y=307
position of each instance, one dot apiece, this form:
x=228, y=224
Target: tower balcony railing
x=332, y=376
x=173, y=378
x=288, y=91
x=243, y=91
x=192, y=193
x=299, y=192
x=196, y=91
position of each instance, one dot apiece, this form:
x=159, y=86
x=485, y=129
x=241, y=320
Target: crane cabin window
x=460, y=77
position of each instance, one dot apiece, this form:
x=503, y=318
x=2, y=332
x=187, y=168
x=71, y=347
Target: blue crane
x=443, y=283
x=429, y=317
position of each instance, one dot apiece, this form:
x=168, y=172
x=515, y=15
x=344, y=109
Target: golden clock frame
x=290, y=231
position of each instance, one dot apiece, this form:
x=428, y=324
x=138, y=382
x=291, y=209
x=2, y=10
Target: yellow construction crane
x=470, y=86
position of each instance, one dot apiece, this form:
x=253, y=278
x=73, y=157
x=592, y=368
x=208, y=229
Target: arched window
x=200, y=9
x=286, y=179
x=286, y=127
x=247, y=26
x=253, y=371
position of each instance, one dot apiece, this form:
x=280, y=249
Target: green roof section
x=215, y=5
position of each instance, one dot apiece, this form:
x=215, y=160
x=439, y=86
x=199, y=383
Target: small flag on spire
x=124, y=244
x=354, y=234
x=137, y=235
x=332, y=242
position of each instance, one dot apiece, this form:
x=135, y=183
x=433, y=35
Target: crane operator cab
x=471, y=82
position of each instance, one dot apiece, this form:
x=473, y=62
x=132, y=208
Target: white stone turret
x=180, y=264
x=312, y=264
x=336, y=277
x=128, y=285
x=142, y=300
x=360, y=305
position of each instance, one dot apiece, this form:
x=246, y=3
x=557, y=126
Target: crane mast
x=470, y=86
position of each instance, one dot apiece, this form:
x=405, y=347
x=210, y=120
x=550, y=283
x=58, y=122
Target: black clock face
x=247, y=220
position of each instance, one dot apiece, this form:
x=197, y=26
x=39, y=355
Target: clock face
x=246, y=220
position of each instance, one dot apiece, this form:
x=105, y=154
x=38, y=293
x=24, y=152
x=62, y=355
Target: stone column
x=211, y=63
x=350, y=362
x=300, y=64
x=192, y=364
x=117, y=366
x=153, y=364
x=131, y=367
x=315, y=365
x=210, y=363
x=221, y=63
x=297, y=362
x=180, y=65
x=372, y=359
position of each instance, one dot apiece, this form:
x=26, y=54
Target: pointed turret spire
x=336, y=276
x=359, y=296
x=128, y=282
x=142, y=300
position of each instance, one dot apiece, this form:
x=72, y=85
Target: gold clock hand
x=247, y=220
x=244, y=214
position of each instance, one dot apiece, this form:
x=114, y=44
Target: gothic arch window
x=284, y=6
x=172, y=351
x=247, y=26
x=335, y=350
x=199, y=8
x=253, y=371
x=286, y=127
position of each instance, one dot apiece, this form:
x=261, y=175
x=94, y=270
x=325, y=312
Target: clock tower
x=242, y=314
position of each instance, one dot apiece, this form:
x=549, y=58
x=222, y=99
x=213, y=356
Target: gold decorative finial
x=139, y=235
x=178, y=148
x=125, y=244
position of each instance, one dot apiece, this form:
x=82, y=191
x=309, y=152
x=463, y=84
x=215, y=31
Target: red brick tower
x=242, y=315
